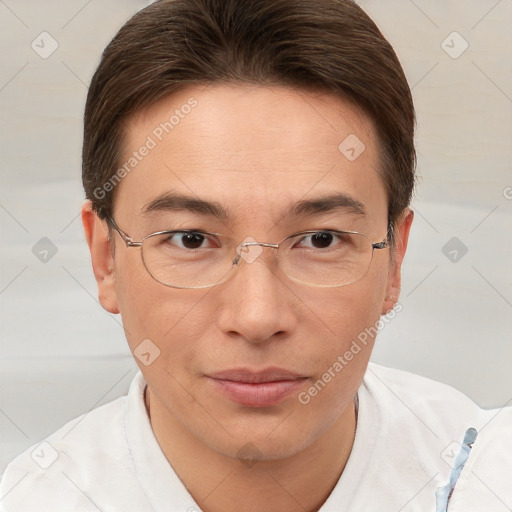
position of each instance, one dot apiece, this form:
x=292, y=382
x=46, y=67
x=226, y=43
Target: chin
x=262, y=444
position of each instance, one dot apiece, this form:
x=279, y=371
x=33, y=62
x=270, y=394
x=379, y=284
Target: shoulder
x=406, y=393
x=485, y=480
x=71, y=467
x=406, y=398
x=425, y=421
x=445, y=410
x=421, y=416
x=410, y=385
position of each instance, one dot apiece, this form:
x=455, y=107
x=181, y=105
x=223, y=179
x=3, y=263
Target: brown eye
x=319, y=240
x=189, y=240
x=192, y=240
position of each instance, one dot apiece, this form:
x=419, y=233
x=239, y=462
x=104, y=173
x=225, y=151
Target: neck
x=298, y=483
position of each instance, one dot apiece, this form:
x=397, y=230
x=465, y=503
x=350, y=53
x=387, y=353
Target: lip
x=262, y=388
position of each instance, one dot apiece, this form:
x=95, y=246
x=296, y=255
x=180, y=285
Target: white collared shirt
x=409, y=431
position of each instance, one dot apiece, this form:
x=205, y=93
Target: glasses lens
x=185, y=259
x=199, y=260
x=327, y=258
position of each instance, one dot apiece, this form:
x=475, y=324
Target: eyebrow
x=178, y=202
x=327, y=204
x=339, y=202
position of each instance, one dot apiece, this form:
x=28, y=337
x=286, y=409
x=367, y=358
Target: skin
x=255, y=150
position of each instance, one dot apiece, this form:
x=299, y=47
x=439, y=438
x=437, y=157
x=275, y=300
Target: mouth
x=263, y=388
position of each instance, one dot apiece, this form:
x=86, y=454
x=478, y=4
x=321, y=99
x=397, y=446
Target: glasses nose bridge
x=249, y=256
x=263, y=244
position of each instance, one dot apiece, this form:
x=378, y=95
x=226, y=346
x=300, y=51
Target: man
x=248, y=168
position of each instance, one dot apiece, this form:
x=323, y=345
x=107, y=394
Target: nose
x=256, y=303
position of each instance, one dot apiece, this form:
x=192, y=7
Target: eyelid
x=207, y=235
x=227, y=238
x=310, y=232
x=187, y=230
x=304, y=234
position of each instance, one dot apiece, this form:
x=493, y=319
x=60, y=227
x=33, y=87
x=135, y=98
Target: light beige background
x=62, y=355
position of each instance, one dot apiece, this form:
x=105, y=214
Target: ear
x=96, y=234
x=402, y=229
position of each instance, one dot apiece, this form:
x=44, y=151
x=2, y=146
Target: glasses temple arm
x=126, y=238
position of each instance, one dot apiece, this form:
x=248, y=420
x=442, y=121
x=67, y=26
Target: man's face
x=255, y=151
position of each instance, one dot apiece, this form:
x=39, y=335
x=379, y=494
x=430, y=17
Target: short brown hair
x=329, y=45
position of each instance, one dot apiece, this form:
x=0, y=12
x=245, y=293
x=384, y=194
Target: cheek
x=348, y=320
x=345, y=312
x=134, y=291
x=339, y=359
x=171, y=318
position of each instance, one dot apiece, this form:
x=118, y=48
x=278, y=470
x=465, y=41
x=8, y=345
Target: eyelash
x=209, y=235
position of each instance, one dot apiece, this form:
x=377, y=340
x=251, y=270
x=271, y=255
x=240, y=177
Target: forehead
x=250, y=148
